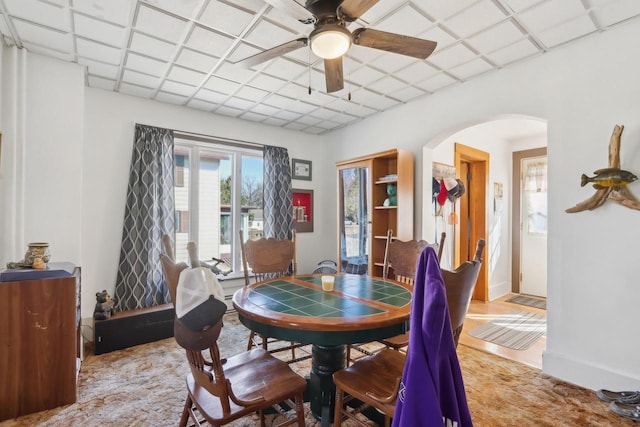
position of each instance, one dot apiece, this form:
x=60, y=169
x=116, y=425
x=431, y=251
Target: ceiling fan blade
x=268, y=54
x=396, y=43
x=354, y=9
x=333, y=74
x=294, y=9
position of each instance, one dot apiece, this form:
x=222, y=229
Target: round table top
x=359, y=309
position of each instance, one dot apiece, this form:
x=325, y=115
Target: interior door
x=533, y=223
x=354, y=223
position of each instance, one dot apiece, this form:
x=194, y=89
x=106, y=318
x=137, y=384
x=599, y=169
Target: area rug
x=144, y=386
x=515, y=329
x=529, y=301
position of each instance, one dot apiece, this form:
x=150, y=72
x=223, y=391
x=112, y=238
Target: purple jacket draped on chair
x=432, y=391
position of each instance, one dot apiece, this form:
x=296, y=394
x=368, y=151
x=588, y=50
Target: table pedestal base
x=325, y=360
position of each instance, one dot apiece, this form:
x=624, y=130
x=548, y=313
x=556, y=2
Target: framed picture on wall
x=301, y=169
x=303, y=210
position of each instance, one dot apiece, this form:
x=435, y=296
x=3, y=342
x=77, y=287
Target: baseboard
x=129, y=328
x=585, y=375
x=499, y=290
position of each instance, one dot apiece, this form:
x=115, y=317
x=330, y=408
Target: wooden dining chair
x=223, y=390
x=459, y=285
x=266, y=259
x=400, y=260
x=372, y=380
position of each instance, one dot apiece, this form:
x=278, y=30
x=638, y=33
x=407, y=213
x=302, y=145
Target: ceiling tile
x=550, y=14
x=63, y=56
x=152, y=47
x=201, y=105
x=520, y=5
x=239, y=103
x=135, y=90
x=100, y=69
x=186, y=76
x=209, y=42
x=393, y=62
x=294, y=90
x=185, y=8
x=325, y=113
x=140, y=79
x=407, y=93
x=101, y=31
x=284, y=69
x=243, y=51
x=43, y=36
x=451, y=56
x=279, y=101
x=514, y=52
x=267, y=35
x=171, y=98
x=406, y=21
x=176, y=88
x=254, y=117
x=116, y=11
x=227, y=18
x=145, y=65
x=496, y=37
x=611, y=13
x=476, y=18
x=570, y=30
x=440, y=36
x=275, y=121
x=101, y=83
x=309, y=120
x=365, y=75
x=44, y=14
x=442, y=9
x=345, y=118
x=221, y=85
x=235, y=72
x=94, y=50
x=381, y=9
x=416, y=72
x=366, y=97
x=267, y=82
x=363, y=54
x=159, y=24
x=359, y=110
x=211, y=96
x=471, y=68
x=264, y=109
x=287, y=115
x=195, y=60
x=252, y=5
x=295, y=126
x=304, y=107
x=386, y=84
x=436, y=82
x=227, y=111
x=251, y=93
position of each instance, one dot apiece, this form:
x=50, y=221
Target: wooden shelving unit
x=398, y=218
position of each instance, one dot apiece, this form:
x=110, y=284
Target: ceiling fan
x=330, y=38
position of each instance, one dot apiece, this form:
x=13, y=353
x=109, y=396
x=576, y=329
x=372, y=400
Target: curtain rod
x=200, y=137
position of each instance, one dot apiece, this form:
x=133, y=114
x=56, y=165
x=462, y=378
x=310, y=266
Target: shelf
x=379, y=264
x=390, y=181
x=385, y=207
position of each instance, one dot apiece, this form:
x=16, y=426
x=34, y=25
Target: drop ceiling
x=183, y=52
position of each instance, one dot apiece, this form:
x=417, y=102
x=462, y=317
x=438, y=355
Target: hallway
x=481, y=312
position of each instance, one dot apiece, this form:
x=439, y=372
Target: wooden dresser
x=39, y=341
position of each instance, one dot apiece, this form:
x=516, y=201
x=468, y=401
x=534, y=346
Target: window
x=218, y=193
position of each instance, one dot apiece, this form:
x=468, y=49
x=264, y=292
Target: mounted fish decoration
x=610, y=183
x=608, y=177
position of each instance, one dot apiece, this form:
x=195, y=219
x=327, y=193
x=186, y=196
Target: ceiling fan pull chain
x=349, y=67
x=309, y=62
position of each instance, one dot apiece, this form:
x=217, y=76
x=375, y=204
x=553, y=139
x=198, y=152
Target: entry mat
x=529, y=301
x=516, y=329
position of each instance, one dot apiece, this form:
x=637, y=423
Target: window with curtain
x=218, y=191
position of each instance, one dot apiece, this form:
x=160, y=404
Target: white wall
x=109, y=130
x=582, y=90
x=43, y=115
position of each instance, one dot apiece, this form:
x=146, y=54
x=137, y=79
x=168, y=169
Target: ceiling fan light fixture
x=330, y=41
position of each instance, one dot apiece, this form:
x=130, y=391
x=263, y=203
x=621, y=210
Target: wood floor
x=483, y=312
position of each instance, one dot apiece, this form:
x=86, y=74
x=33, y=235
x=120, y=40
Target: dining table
x=359, y=309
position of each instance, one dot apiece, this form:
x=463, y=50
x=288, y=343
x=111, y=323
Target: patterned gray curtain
x=278, y=196
x=148, y=215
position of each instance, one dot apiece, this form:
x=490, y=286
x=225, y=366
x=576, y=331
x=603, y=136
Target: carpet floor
x=144, y=386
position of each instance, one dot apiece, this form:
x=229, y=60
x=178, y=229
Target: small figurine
x=105, y=306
